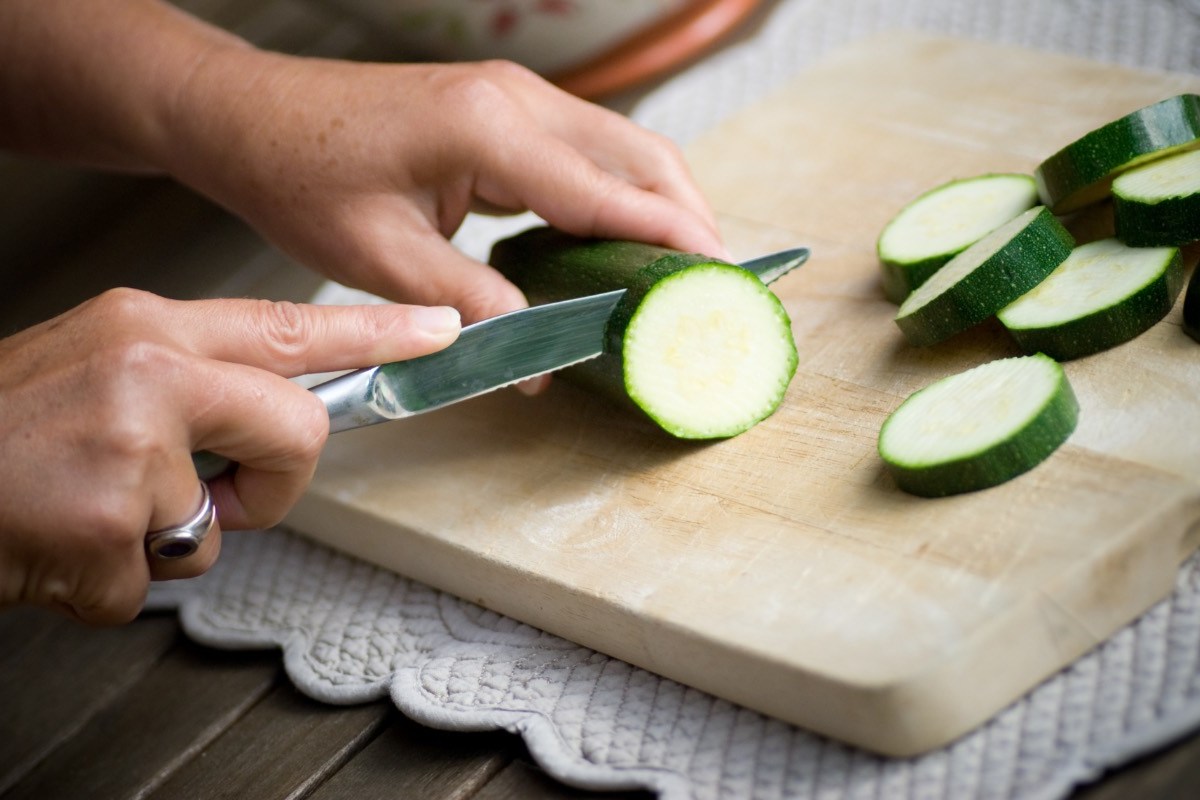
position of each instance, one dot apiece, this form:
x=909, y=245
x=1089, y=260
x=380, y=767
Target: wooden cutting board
x=782, y=569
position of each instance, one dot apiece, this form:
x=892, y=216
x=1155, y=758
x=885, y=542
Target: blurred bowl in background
x=589, y=47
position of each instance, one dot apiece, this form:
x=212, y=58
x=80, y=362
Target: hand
x=101, y=408
x=364, y=170
x=359, y=170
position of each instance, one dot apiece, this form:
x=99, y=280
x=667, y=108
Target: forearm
x=96, y=81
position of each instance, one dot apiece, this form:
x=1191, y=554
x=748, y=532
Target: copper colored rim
x=660, y=47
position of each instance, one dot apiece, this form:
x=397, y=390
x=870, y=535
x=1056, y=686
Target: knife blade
x=492, y=354
x=486, y=356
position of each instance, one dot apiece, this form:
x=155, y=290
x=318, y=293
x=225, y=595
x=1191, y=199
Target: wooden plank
x=62, y=678
x=409, y=760
x=158, y=722
x=284, y=747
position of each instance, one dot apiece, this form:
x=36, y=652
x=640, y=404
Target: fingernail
x=437, y=320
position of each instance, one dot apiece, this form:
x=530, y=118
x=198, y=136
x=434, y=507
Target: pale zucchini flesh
x=943, y=222
x=985, y=277
x=1159, y=203
x=1105, y=293
x=979, y=428
x=708, y=353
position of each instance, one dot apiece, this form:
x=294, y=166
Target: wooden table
x=140, y=711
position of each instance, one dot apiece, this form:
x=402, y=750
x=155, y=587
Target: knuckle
x=667, y=154
x=138, y=360
x=478, y=93
x=123, y=304
x=505, y=68
x=287, y=331
x=117, y=522
x=132, y=369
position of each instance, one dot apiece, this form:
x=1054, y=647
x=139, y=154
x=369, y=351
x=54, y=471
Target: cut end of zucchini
x=708, y=352
x=1159, y=203
x=985, y=277
x=1082, y=172
x=943, y=222
x=979, y=428
x=1103, y=295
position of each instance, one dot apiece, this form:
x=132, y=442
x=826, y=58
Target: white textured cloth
x=351, y=632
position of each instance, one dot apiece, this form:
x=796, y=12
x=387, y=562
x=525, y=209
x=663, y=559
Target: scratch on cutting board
x=588, y=521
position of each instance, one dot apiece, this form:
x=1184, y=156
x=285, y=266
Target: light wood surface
x=782, y=569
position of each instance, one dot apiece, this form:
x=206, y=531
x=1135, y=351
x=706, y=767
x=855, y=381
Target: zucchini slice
x=979, y=428
x=1159, y=203
x=943, y=222
x=985, y=277
x=1082, y=172
x=1104, y=294
x=699, y=345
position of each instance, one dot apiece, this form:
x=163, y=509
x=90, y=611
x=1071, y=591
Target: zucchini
x=699, y=345
x=1082, y=172
x=943, y=222
x=1159, y=203
x=1191, y=306
x=979, y=428
x=1104, y=294
x=985, y=277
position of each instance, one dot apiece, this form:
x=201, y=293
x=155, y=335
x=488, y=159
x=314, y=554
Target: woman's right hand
x=102, y=407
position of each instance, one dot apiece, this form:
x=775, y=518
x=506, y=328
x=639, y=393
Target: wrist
x=94, y=83
x=214, y=117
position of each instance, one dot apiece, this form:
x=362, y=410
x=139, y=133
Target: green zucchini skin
x=1082, y=172
x=1191, y=306
x=900, y=275
x=1167, y=219
x=1171, y=222
x=1107, y=327
x=1018, y=266
x=549, y=265
x=1020, y=452
x=898, y=280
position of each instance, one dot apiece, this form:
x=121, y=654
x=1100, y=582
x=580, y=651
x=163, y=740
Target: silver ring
x=180, y=541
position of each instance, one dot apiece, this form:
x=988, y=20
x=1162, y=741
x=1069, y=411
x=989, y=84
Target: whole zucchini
x=699, y=345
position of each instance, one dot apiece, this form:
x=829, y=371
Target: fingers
x=274, y=430
x=623, y=149
x=571, y=192
x=175, y=512
x=426, y=268
x=292, y=339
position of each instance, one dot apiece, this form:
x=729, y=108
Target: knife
x=492, y=354
x=486, y=356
